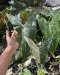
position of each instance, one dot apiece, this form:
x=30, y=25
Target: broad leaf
x=16, y=6
x=50, y=27
x=35, y=49
x=28, y=30
x=15, y=20
x=44, y=49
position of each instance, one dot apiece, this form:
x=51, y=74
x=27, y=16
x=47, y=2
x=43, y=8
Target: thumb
x=7, y=35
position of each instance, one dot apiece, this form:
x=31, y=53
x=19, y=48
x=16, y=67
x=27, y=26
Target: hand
x=11, y=41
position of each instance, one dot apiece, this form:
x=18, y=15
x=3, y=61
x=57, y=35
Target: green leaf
x=34, y=48
x=15, y=20
x=50, y=28
x=28, y=2
x=54, y=63
x=54, y=44
x=44, y=49
x=44, y=26
x=25, y=72
x=47, y=26
x=30, y=26
x=41, y=72
x=16, y=6
x=58, y=56
x=28, y=30
x=55, y=30
x=25, y=49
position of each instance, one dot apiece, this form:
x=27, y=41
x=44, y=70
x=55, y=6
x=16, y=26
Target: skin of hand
x=11, y=41
x=7, y=54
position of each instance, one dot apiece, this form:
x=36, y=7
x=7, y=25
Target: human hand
x=11, y=41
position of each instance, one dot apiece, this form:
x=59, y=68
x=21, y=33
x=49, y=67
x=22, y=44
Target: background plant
x=36, y=30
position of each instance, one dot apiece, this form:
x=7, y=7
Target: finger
x=17, y=44
x=13, y=36
x=7, y=34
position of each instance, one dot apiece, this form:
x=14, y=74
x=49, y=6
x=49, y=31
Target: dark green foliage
x=51, y=27
x=16, y=6
x=4, y=4
x=38, y=32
